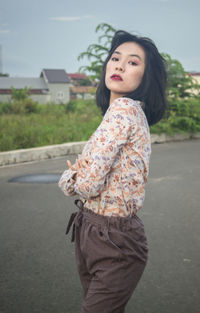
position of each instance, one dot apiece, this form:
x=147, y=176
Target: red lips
x=116, y=77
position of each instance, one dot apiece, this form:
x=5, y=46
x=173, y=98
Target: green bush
x=50, y=125
x=23, y=125
x=183, y=123
x=71, y=106
x=5, y=108
x=19, y=107
x=51, y=108
x=23, y=106
x=183, y=115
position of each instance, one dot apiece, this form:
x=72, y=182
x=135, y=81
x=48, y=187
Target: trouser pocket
x=130, y=242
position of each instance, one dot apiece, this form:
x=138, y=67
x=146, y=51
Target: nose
x=119, y=67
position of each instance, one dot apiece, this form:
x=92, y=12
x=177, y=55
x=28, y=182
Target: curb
x=40, y=153
x=49, y=152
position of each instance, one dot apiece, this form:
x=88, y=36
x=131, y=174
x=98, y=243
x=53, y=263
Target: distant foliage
x=24, y=106
x=85, y=82
x=4, y=75
x=183, y=116
x=5, y=108
x=20, y=94
x=180, y=83
x=52, y=124
x=25, y=123
x=77, y=120
x=96, y=53
x=20, y=103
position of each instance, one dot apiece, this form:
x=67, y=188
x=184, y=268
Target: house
x=81, y=86
x=82, y=92
x=78, y=79
x=53, y=85
x=196, y=78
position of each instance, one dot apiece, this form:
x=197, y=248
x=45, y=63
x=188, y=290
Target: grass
x=28, y=124
x=19, y=131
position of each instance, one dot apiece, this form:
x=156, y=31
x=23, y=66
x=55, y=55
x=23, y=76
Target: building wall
x=59, y=92
x=196, y=79
x=84, y=96
x=45, y=98
x=4, y=98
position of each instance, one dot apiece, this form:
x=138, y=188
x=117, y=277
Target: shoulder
x=128, y=106
x=126, y=102
x=132, y=109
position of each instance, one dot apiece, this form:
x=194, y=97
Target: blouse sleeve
x=66, y=182
x=119, y=122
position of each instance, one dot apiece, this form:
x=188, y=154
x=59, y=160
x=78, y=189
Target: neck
x=114, y=96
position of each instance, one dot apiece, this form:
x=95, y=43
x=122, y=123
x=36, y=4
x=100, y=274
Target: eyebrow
x=131, y=55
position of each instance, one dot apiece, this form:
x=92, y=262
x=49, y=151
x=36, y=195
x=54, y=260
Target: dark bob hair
x=152, y=90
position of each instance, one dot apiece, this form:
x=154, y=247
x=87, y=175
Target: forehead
x=131, y=48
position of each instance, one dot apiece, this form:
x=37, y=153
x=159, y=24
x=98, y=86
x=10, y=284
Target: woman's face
x=125, y=69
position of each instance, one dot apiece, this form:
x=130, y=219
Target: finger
x=85, y=164
x=78, y=163
x=82, y=163
x=70, y=165
x=82, y=175
x=89, y=160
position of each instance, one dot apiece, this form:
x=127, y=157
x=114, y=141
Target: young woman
x=110, y=175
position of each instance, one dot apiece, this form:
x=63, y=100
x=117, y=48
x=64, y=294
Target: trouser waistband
x=94, y=218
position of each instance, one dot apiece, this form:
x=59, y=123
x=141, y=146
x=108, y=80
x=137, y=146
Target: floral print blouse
x=119, y=152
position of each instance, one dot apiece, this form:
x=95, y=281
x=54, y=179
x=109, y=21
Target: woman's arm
x=68, y=178
x=67, y=181
x=119, y=122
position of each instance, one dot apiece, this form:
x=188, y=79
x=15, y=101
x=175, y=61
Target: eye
x=114, y=59
x=133, y=63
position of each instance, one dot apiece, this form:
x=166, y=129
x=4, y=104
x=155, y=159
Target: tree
x=180, y=83
x=96, y=53
x=22, y=103
x=20, y=94
x=85, y=82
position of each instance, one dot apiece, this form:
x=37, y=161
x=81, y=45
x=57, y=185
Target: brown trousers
x=111, y=254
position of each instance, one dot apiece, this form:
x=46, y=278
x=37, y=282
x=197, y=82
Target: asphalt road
x=38, y=271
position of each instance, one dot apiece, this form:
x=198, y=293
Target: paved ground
x=38, y=272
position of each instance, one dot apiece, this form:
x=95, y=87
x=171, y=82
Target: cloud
x=66, y=18
x=161, y=1
x=70, y=18
x=4, y=31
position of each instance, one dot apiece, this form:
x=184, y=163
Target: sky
x=38, y=34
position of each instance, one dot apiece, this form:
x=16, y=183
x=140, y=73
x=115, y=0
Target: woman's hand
x=70, y=165
x=79, y=165
x=72, y=168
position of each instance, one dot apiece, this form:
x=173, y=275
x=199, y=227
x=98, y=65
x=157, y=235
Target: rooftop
x=21, y=82
x=77, y=75
x=194, y=73
x=55, y=76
